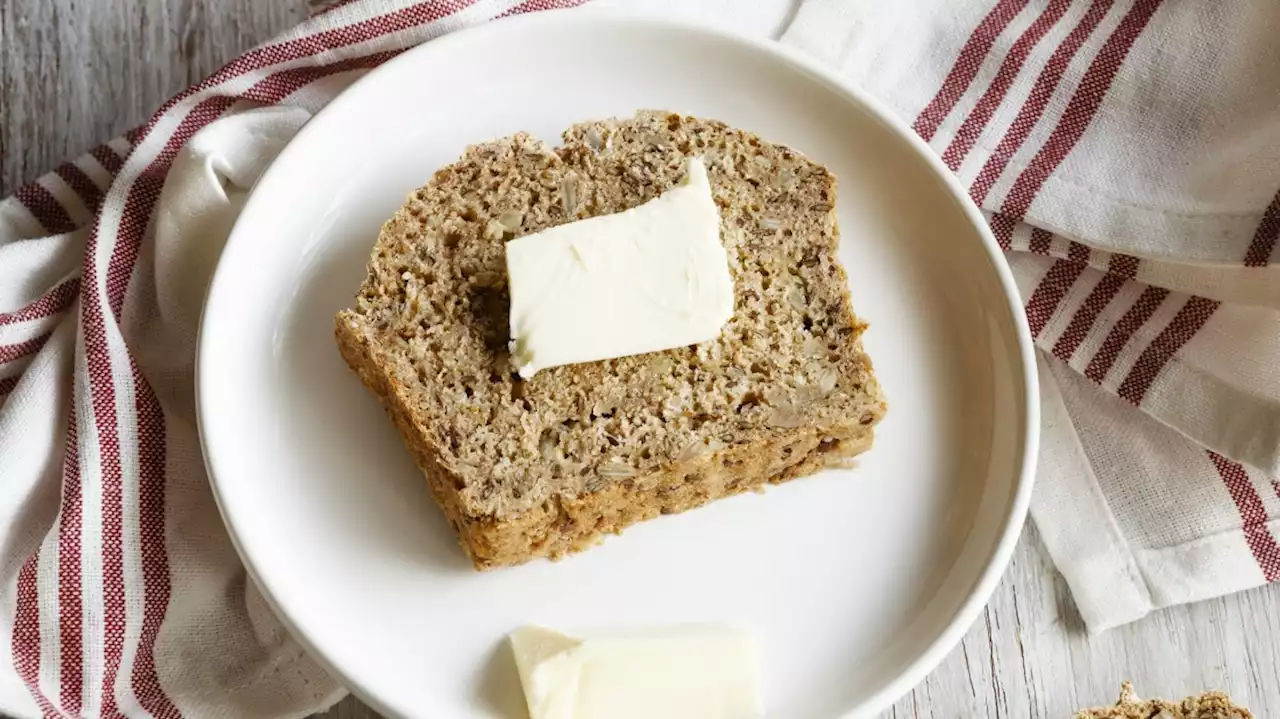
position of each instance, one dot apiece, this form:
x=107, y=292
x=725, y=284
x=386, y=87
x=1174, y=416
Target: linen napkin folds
x=1127, y=155
x=1126, y=152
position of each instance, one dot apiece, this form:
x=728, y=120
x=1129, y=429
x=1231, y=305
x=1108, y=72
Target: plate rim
x=1013, y=521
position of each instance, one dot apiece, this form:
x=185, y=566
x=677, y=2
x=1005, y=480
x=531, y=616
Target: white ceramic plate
x=855, y=583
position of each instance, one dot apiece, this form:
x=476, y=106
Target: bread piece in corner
x=546, y=466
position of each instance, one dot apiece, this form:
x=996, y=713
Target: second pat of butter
x=679, y=673
x=652, y=278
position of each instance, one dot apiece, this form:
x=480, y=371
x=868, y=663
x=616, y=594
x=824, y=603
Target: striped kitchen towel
x=1128, y=154
x=120, y=593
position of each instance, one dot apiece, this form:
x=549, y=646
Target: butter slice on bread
x=546, y=466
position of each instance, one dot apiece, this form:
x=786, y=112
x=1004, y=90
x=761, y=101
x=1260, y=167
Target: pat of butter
x=650, y=278
x=689, y=672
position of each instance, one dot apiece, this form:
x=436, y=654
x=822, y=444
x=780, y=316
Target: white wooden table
x=76, y=72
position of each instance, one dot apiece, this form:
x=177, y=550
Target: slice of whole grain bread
x=545, y=466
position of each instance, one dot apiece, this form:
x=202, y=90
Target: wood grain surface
x=76, y=72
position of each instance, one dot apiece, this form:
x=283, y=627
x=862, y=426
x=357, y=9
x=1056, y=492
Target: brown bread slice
x=546, y=466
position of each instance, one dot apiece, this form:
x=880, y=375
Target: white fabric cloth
x=1128, y=156
x=1119, y=147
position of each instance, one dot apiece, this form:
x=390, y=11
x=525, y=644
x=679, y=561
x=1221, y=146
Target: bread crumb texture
x=1210, y=705
x=546, y=466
